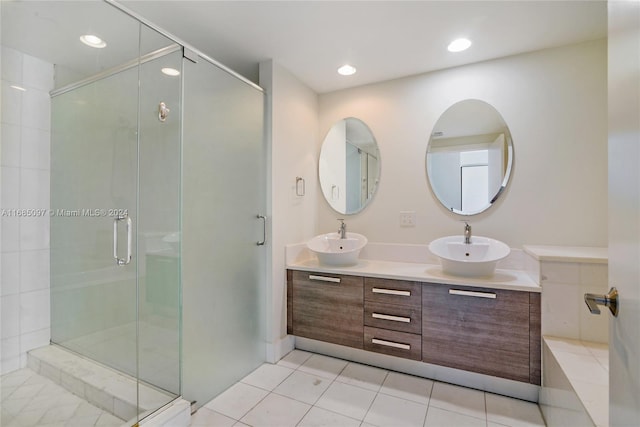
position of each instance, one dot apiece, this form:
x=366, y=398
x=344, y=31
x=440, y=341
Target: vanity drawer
x=387, y=291
x=394, y=317
x=327, y=307
x=393, y=343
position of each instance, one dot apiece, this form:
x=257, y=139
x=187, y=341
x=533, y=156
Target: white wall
x=554, y=102
x=292, y=132
x=24, y=159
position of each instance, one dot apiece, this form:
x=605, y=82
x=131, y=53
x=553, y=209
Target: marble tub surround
x=575, y=377
x=415, y=262
x=581, y=254
x=565, y=275
x=575, y=382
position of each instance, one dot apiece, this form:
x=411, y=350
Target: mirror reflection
x=349, y=166
x=469, y=157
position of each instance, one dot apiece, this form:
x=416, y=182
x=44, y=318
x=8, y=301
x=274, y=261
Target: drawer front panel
x=328, y=307
x=479, y=330
x=388, y=291
x=400, y=344
x=394, y=317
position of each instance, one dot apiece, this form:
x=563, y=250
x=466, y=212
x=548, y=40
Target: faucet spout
x=467, y=233
x=342, y=231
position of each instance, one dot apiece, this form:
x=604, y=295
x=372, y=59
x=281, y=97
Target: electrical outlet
x=407, y=218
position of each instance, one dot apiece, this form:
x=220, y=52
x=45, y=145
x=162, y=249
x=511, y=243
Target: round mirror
x=349, y=166
x=469, y=157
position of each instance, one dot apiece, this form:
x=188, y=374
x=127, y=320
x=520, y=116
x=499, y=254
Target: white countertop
x=568, y=254
x=515, y=280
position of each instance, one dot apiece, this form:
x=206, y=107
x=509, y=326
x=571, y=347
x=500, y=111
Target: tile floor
x=306, y=389
x=29, y=399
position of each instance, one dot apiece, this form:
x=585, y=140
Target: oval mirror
x=469, y=157
x=349, y=166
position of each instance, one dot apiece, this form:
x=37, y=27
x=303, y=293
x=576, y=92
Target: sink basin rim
x=485, y=267
x=323, y=247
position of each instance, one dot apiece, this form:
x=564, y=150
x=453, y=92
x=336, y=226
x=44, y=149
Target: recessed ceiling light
x=93, y=41
x=20, y=88
x=170, y=71
x=458, y=45
x=346, y=70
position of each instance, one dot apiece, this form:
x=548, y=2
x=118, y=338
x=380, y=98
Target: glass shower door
x=115, y=226
x=94, y=157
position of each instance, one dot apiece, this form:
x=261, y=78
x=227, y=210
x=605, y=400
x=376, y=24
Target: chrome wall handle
x=608, y=300
x=264, y=230
x=128, y=222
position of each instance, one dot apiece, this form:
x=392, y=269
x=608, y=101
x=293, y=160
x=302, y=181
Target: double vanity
x=443, y=310
x=415, y=311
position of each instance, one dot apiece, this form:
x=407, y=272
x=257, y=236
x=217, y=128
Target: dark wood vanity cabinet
x=326, y=307
x=489, y=331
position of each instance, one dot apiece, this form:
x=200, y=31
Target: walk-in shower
x=156, y=187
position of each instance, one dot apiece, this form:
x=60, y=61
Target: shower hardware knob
x=608, y=300
x=163, y=111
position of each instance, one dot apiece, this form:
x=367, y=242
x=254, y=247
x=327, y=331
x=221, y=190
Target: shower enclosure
x=157, y=191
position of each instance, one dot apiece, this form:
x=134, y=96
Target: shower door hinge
x=190, y=55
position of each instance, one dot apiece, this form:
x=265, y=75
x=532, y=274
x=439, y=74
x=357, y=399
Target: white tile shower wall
x=564, y=313
x=25, y=123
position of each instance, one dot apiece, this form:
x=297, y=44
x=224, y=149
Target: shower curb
x=103, y=387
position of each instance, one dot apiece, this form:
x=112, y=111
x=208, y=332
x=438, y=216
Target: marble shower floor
x=29, y=399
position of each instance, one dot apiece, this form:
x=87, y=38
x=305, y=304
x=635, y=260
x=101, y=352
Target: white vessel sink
x=332, y=250
x=475, y=259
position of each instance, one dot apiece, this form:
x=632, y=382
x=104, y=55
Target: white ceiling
x=383, y=39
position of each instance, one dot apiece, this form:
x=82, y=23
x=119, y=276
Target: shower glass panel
x=159, y=217
x=223, y=268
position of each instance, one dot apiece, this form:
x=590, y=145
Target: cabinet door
x=475, y=329
x=328, y=307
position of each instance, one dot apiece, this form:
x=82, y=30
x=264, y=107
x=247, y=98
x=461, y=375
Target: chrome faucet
x=467, y=233
x=342, y=231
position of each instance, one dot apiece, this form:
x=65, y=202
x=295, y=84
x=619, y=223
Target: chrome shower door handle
x=608, y=300
x=264, y=229
x=127, y=219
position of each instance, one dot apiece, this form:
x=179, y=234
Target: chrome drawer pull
x=389, y=317
x=391, y=292
x=324, y=279
x=472, y=294
x=390, y=344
